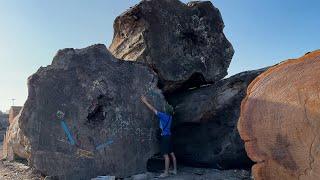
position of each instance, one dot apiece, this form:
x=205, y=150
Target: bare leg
x=166, y=168
x=167, y=163
x=174, y=160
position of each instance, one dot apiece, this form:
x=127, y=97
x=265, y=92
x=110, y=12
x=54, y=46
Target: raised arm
x=144, y=100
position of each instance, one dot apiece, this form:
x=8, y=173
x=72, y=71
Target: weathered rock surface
x=98, y=97
x=15, y=144
x=183, y=43
x=205, y=119
x=13, y=112
x=280, y=120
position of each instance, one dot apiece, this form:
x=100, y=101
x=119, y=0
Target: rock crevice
x=205, y=120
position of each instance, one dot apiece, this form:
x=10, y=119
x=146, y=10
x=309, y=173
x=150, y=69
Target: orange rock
x=280, y=120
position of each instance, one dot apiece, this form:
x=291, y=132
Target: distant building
x=4, y=123
x=4, y=120
x=13, y=112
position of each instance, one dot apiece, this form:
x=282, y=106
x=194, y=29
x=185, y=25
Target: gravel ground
x=17, y=171
x=188, y=173
x=20, y=171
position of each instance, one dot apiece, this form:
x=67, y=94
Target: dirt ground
x=16, y=170
x=20, y=171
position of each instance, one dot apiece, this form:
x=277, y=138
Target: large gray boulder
x=183, y=43
x=205, y=119
x=98, y=98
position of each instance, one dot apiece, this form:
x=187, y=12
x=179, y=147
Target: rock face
x=15, y=144
x=13, y=112
x=84, y=118
x=183, y=43
x=205, y=120
x=280, y=120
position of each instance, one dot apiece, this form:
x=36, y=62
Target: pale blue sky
x=263, y=33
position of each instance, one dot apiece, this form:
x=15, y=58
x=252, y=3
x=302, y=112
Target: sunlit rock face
x=280, y=120
x=183, y=43
x=84, y=118
x=15, y=145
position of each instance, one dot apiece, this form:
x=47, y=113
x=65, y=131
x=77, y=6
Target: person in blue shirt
x=165, y=119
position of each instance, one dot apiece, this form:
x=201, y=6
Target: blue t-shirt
x=165, y=123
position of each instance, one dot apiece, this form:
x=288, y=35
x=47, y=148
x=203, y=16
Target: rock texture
x=280, y=120
x=15, y=144
x=183, y=43
x=98, y=98
x=13, y=112
x=205, y=132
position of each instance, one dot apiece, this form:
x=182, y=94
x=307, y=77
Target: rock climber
x=165, y=119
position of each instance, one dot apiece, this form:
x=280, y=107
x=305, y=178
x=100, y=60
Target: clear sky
x=263, y=32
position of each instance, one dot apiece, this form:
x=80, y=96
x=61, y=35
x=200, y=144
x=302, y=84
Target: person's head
x=169, y=109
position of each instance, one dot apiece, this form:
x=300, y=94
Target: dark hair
x=169, y=109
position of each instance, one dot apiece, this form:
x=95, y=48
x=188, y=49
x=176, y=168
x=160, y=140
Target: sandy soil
x=17, y=171
x=20, y=171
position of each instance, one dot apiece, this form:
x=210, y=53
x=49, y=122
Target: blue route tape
x=68, y=133
x=152, y=93
x=104, y=145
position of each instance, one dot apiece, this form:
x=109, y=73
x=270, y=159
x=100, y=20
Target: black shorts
x=166, y=145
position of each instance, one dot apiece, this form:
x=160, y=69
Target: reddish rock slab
x=280, y=120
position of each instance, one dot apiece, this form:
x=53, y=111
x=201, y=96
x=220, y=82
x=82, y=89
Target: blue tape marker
x=152, y=93
x=104, y=145
x=68, y=133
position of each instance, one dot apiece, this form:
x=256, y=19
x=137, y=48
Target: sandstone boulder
x=15, y=144
x=280, y=120
x=205, y=132
x=13, y=112
x=84, y=118
x=183, y=43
